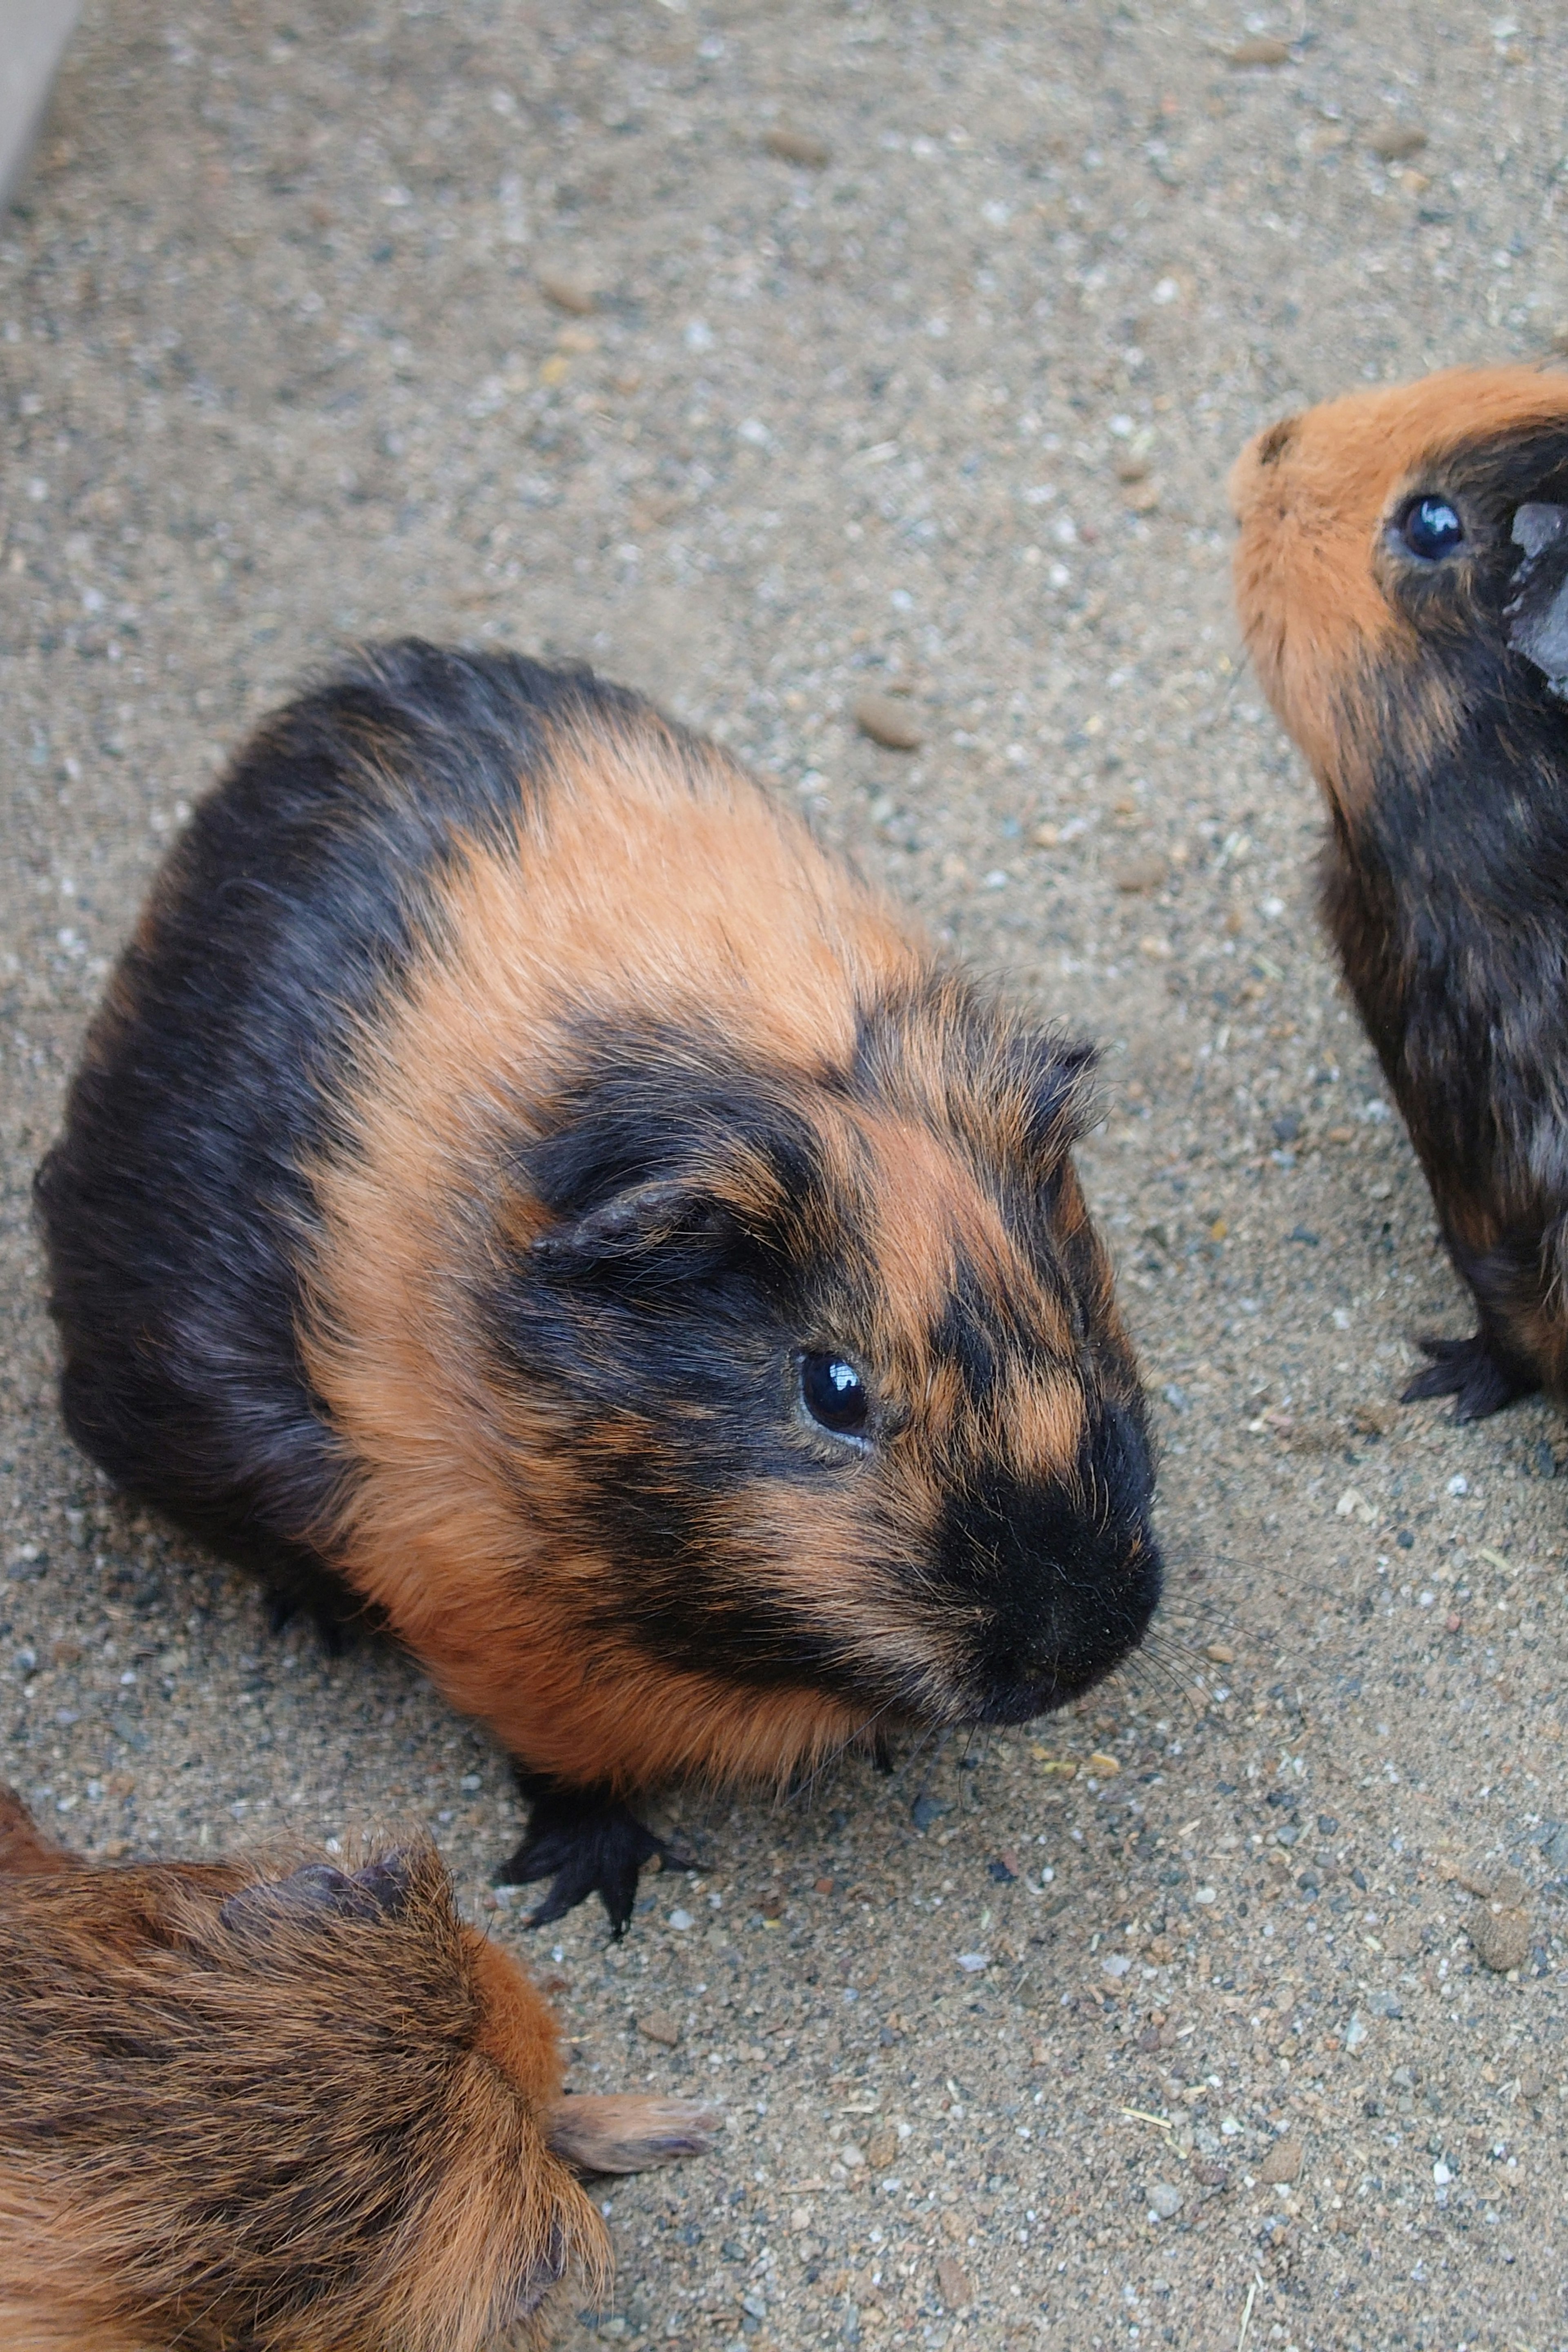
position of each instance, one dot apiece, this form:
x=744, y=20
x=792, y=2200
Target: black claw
x=584, y=1843
x=1472, y=1371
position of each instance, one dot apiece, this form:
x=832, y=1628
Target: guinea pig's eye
x=834, y=1394
x=1430, y=528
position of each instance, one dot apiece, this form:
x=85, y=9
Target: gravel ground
x=769, y=354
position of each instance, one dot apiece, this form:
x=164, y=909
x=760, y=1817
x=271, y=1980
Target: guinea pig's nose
x=1538, y=526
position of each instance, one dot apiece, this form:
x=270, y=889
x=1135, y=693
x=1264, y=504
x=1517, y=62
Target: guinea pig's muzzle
x=1067, y=1577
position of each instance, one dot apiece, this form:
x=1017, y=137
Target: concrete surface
x=952, y=408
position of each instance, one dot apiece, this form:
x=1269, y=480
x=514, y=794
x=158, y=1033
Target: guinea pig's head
x=1377, y=556
x=828, y=1365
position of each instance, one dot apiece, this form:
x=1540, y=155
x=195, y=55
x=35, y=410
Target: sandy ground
x=948, y=406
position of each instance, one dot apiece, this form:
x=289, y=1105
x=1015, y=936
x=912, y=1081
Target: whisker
x=800, y=1789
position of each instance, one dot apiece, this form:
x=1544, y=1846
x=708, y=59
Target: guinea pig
x=304, y=2109
x=519, y=1185
x=1400, y=586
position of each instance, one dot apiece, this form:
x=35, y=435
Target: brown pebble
x=772, y=1905
x=65, y=1654
x=953, y=2283
x=797, y=147
x=1262, y=52
x=824, y=1885
x=1132, y=468
x=1145, y=873
x=880, y=2149
x=1209, y=2174
x=888, y=721
x=1141, y=498
x=121, y=1784
x=1283, y=2165
x=1340, y=1135
x=1373, y=1420
x=1501, y=1934
x=568, y=294
x=1220, y=1654
x=1394, y=141
x=1453, y=1622
x=660, y=2026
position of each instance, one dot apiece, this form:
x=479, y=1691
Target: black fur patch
x=171, y=1202
x=1067, y=1575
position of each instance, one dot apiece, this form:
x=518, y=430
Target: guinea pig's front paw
x=585, y=1842
x=1473, y=1372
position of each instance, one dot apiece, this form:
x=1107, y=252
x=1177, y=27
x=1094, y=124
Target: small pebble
x=797, y=147
x=568, y=293
x=1220, y=1654
x=888, y=721
x=660, y=2026
x=1283, y=2165
x=1265, y=51
x=1106, y=1766
x=850, y=2156
x=953, y=2283
x=1394, y=141
x=1165, y=2200
x=1141, y=498
x=1500, y=1934
x=880, y=2149
x=1145, y=873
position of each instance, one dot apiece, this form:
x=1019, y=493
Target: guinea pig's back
x=313, y=2105
x=175, y=1201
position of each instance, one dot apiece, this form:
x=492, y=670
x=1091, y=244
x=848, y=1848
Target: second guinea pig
x=296, y=2106
x=518, y=1185
x=1400, y=576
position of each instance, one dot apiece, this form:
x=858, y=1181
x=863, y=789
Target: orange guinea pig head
x=1378, y=555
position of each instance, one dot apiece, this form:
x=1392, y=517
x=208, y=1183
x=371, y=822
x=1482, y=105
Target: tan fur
x=1312, y=494
x=397, y=2070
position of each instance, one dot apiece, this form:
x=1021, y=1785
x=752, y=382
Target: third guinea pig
x=287, y=2104
x=520, y=1186
x=1400, y=576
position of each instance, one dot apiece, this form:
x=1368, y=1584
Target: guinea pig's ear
x=1537, y=609
x=1060, y=1093
x=318, y=1892
x=629, y=1226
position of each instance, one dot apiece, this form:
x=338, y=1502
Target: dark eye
x=834, y=1394
x=1431, y=530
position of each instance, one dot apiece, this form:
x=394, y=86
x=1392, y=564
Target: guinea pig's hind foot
x=610, y=2134
x=1474, y=1372
x=585, y=1842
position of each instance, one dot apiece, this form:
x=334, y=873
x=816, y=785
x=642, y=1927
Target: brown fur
x=280, y=2128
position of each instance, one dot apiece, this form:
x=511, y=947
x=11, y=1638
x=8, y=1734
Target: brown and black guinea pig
x=308, y=2110
x=521, y=1187
x=1401, y=578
